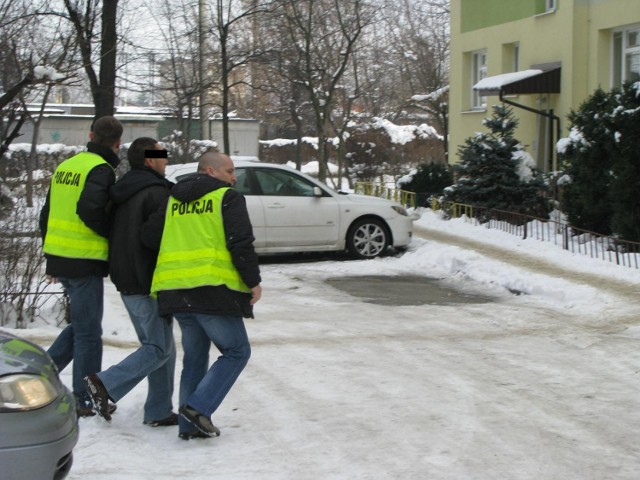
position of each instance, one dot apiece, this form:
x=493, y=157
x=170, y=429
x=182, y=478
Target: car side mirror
x=317, y=192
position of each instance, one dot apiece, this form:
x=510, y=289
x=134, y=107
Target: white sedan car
x=293, y=212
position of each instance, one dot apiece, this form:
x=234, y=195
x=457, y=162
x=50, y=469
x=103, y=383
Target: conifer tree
x=587, y=160
x=429, y=179
x=495, y=171
x=602, y=160
x=626, y=180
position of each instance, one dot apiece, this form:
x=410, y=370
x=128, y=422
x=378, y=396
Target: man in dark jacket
x=74, y=225
x=134, y=198
x=207, y=276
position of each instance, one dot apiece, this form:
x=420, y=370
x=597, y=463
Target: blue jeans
x=154, y=359
x=81, y=340
x=201, y=387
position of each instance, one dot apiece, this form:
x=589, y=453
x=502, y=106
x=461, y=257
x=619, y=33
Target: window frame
x=274, y=182
x=621, y=52
x=479, y=71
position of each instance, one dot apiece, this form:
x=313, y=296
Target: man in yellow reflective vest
x=207, y=276
x=74, y=224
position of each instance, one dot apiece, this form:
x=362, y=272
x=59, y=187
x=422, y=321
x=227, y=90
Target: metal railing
x=576, y=240
x=404, y=197
x=573, y=239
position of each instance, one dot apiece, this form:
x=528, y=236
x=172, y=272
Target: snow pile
x=44, y=72
x=403, y=134
x=498, y=81
x=433, y=96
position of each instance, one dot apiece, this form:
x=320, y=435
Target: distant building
x=544, y=57
x=69, y=124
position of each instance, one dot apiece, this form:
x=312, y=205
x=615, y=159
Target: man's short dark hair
x=135, y=154
x=107, y=131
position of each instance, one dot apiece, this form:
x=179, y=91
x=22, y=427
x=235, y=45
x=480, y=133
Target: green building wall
x=577, y=34
x=478, y=14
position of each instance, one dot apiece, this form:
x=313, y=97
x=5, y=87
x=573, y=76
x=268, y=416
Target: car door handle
x=275, y=205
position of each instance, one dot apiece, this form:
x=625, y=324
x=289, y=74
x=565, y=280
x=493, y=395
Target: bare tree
x=31, y=68
x=13, y=79
x=28, y=65
x=84, y=15
x=181, y=78
x=55, y=67
x=407, y=51
x=404, y=66
x=324, y=35
x=425, y=60
x=280, y=97
x=234, y=48
x=22, y=286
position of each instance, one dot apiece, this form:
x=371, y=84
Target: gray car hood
x=21, y=356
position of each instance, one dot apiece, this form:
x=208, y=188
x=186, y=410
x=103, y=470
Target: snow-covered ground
x=540, y=385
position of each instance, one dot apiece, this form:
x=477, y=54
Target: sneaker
x=192, y=435
x=201, y=422
x=99, y=396
x=170, y=421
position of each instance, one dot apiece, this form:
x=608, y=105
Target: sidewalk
x=629, y=290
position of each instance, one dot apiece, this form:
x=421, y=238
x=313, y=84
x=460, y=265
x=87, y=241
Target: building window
x=478, y=72
x=511, y=57
x=550, y=5
x=626, y=56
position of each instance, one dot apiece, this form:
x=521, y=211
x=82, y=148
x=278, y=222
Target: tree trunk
x=224, y=60
x=15, y=90
x=323, y=153
x=31, y=159
x=103, y=86
x=295, y=118
x=225, y=113
x=106, y=89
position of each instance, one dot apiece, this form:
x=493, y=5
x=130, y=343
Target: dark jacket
x=213, y=300
x=134, y=198
x=92, y=208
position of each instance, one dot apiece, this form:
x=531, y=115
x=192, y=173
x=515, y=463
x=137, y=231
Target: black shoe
x=99, y=396
x=192, y=435
x=170, y=421
x=199, y=421
x=87, y=410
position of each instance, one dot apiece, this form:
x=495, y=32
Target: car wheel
x=368, y=238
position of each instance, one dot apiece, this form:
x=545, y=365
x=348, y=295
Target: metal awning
x=544, y=78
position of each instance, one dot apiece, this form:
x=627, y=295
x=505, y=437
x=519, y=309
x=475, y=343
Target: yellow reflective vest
x=67, y=235
x=193, y=249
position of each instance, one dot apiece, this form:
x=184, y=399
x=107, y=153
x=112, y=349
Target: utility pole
x=204, y=121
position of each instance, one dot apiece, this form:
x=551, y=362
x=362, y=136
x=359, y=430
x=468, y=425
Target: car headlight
x=400, y=210
x=22, y=392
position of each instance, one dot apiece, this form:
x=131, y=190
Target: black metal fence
x=575, y=240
